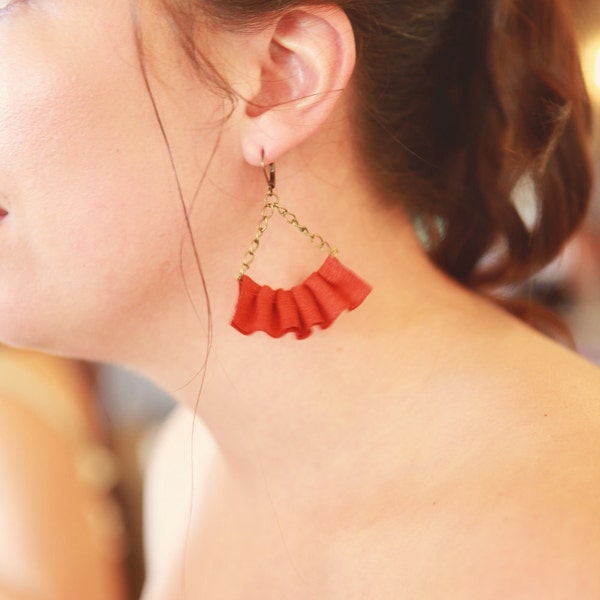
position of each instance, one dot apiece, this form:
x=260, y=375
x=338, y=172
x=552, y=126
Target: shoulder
x=537, y=532
x=511, y=507
x=521, y=520
x=529, y=377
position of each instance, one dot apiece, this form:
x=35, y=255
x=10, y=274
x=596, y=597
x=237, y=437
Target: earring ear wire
x=270, y=175
x=319, y=300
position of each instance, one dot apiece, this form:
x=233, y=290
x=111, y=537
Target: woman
x=427, y=444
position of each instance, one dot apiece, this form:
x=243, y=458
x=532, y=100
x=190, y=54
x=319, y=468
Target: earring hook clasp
x=270, y=174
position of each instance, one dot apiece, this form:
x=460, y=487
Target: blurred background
x=581, y=262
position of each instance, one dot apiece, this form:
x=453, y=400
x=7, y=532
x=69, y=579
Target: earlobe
x=309, y=61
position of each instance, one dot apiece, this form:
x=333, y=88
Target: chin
x=28, y=338
x=26, y=333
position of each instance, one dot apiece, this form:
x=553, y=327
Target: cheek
x=76, y=127
x=88, y=188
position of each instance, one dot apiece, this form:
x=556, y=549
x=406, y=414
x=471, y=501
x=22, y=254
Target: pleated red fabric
x=320, y=300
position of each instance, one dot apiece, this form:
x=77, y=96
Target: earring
x=319, y=300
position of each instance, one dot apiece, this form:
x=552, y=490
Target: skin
x=427, y=445
x=73, y=232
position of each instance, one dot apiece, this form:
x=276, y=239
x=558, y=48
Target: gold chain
x=271, y=205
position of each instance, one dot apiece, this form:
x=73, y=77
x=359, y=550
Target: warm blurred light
x=591, y=66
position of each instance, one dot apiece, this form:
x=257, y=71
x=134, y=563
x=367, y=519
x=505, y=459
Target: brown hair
x=457, y=102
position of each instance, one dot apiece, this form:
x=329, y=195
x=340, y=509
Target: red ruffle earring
x=319, y=300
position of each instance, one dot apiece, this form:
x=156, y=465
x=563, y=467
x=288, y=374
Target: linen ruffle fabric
x=322, y=297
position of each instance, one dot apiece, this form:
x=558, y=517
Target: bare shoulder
x=567, y=387
x=538, y=532
x=509, y=505
x=544, y=385
x=534, y=529
x=568, y=480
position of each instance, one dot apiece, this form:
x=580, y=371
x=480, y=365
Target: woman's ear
x=304, y=63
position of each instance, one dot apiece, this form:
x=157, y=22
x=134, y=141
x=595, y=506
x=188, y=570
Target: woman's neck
x=321, y=411
x=287, y=409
